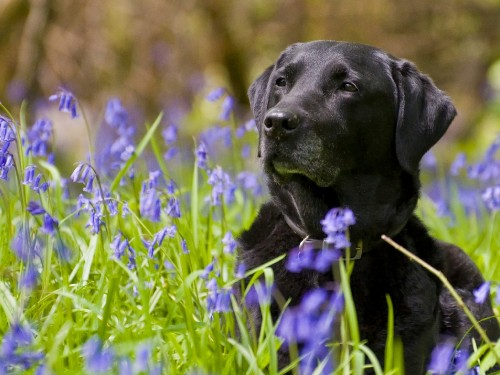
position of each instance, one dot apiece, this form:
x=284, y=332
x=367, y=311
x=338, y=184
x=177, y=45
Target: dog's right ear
x=259, y=97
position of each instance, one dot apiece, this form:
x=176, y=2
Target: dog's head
x=328, y=108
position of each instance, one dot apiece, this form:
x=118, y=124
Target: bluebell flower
x=221, y=186
x=67, y=102
x=171, y=187
x=95, y=219
x=173, y=208
x=259, y=294
x=227, y=108
x=335, y=225
x=39, y=137
x=119, y=245
x=216, y=94
x=441, y=358
x=170, y=134
x=125, y=209
x=6, y=163
x=249, y=181
x=482, y=292
x=201, y=156
x=229, y=243
x=171, y=153
x=29, y=277
x=240, y=271
x=299, y=260
x=98, y=359
x=218, y=300
x=310, y=324
x=458, y=164
x=149, y=203
x=488, y=169
x=115, y=114
x=29, y=175
x=184, y=247
x=207, y=270
x=491, y=197
x=50, y=224
x=429, y=161
x=17, y=349
x=7, y=130
x=35, y=208
x=215, y=137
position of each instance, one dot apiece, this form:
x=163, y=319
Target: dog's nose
x=279, y=122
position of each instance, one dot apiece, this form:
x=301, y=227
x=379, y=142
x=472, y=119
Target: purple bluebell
x=207, y=270
x=229, y=243
x=6, y=163
x=218, y=299
x=299, y=260
x=17, y=351
x=125, y=209
x=240, y=271
x=7, y=130
x=173, y=208
x=127, y=152
x=98, y=359
x=491, y=197
x=35, y=208
x=115, y=114
x=249, y=181
x=310, y=324
x=67, y=102
x=39, y=137
x=216, y=137
x=171, y=187
x=50, y=224
x=171, y=153
x=170, y=134
x=95, y=221
x=29, y=175
x=29, y=277
x=335, y=225
x=201, y=156
x=119, y=245
x=227, y=108
x=441, y=358
x=216, y=94
x=149, y=203
x=458, y=164
x=429, y=161
x=259, y=294
x=482, y=292
x=184, y=247
x=488, y=169
x=222, y=186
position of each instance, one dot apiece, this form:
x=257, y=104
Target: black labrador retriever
x=345, y=125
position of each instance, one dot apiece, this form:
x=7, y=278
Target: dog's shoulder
x=268, y=237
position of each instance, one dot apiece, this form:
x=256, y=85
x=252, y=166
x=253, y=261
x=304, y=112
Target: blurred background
x=161, y=55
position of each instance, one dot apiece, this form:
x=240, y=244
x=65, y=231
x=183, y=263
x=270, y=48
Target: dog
x=345, y=125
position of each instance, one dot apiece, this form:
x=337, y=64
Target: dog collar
x=311, y=243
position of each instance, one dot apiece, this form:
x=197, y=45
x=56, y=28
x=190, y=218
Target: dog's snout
x=279, y=122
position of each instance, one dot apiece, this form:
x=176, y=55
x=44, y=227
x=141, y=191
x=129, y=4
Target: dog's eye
x=281, y=82
x=348, y=86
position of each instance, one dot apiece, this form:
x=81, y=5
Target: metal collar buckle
x=310, y=243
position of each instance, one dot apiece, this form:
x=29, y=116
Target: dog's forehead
x=321, y=54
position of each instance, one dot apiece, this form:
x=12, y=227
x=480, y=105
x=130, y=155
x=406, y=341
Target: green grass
x=164, y=308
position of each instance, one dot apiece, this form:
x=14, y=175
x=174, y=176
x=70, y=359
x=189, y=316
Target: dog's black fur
x=345, y=125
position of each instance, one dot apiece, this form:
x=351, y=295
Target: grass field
x=127, y=264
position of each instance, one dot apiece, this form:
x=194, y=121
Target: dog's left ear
x=424, y=114
x=257, y=93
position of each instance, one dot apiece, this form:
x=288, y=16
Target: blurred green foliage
x=158, y=55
